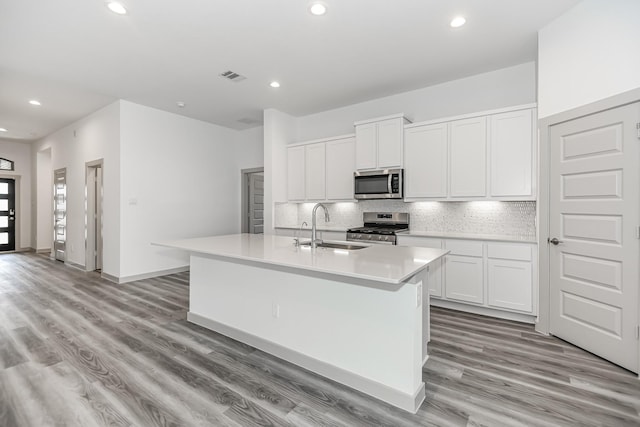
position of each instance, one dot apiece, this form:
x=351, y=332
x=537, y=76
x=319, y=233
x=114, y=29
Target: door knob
x=554, y=241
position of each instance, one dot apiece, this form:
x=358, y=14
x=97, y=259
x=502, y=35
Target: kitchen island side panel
x=372, y=334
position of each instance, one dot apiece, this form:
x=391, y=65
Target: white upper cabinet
x=315, y=167
x=487, y=156
x=341, y=163
x=468, y=157
x=425, y=161
x=390, y=135
x=511, y=154
x=367, y=146
x=295, y=173
x=379, y=143
x=321, y=170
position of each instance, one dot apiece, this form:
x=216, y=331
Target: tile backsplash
x=478, y=217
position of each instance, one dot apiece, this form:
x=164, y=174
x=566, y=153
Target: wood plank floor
x=76, y=350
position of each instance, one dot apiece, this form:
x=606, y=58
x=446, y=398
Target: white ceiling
x=76, y=56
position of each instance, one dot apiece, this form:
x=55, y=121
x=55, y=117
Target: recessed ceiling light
x=274, y=84
x=318, y=8
x=116, y=7
x=34, y=102
x=3, y=130
x=181, y=104
x=458, y=21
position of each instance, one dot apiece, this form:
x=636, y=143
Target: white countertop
x=380, y=263
x=468, y=236
x=320, y=228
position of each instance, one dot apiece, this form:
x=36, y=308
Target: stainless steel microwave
x=380, y=184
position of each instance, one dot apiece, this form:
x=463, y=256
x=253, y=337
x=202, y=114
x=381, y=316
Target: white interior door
x=256, y=203
x=93, y=254
x=594, y=215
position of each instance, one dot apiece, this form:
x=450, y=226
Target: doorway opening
x=93, y=216
x=253, y=201
x=60, y=214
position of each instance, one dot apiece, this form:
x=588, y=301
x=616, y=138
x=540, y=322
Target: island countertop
x=380, y=263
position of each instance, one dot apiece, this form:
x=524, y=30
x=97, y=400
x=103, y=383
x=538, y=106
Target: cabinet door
x=390, y=135
x=295, y=173
x=315, y=169
x=468, y=154
x=464, y=278
x=366, y=146
x=510, y=284
x=425, y=161
x=341, y=163
x=511, y=151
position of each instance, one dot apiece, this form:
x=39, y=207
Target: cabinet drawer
x=509, y=251
x=464, y=247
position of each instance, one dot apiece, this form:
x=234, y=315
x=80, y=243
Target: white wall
x=20, y=154
x=280, y=129
x=587, y=54
x=496, y=89
x=91, y=138
x=180, y=178
x=43, y=226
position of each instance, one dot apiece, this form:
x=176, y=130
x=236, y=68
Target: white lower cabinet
x=464, y=271
x=492, y=278
x=464, y=278
x=510, y=276
x=510, y=284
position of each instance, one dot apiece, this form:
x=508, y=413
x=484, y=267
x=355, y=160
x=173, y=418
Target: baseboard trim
x=109, y=277
x=43, y=251
x=408, y=402
x=484, y=311
x=150, y=275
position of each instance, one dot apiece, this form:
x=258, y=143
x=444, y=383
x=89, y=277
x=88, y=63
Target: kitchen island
x=359, y=317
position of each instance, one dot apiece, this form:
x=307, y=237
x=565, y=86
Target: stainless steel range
x=379, y=227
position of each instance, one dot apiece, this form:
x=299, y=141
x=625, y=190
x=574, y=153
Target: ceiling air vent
x=232, y=76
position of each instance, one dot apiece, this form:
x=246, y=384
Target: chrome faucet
x=314, y=240
x=297, y=239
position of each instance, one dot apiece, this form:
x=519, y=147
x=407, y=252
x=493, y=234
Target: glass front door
x=60, y=214
x=7, y=214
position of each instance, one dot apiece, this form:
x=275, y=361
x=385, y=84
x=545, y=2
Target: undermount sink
x=334, y=245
